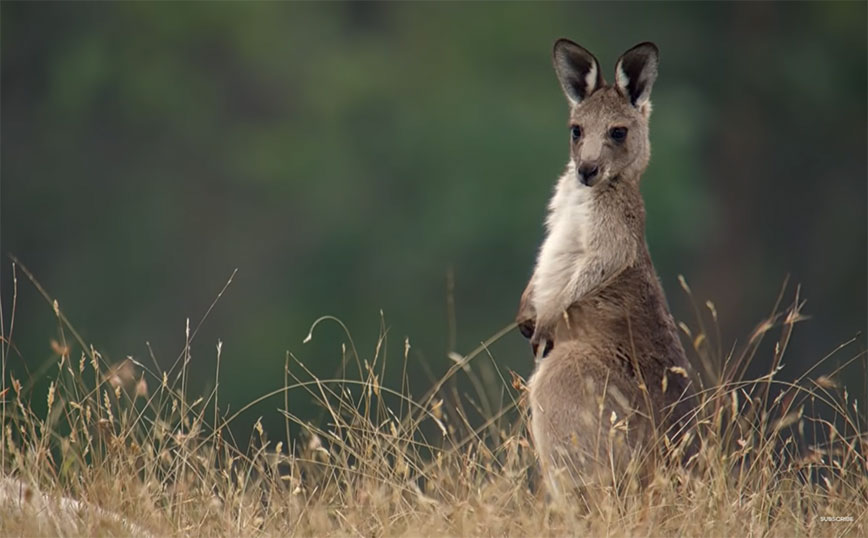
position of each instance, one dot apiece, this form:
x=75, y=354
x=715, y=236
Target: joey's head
x=608, y=123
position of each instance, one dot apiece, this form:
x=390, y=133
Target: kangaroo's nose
x=587, y=173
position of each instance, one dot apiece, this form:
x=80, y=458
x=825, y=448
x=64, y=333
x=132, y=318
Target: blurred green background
x=348, y=158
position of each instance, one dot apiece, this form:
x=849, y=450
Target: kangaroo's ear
x=577, y=69
x=636, y=72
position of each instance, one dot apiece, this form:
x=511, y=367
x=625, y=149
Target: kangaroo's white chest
x=572, y=219
x=569, y=223
x=567, y=245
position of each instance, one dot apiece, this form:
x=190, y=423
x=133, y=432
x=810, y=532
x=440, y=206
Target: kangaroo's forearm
x=554, y=292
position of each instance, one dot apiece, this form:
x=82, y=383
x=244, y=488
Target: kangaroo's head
x=608, y=124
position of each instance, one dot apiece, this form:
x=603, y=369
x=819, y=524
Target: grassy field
x=124, y=450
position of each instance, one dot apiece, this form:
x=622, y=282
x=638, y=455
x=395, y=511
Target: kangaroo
x=610, y=368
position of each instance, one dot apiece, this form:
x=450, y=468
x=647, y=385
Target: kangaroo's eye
x=618, y=134
x=575, y=132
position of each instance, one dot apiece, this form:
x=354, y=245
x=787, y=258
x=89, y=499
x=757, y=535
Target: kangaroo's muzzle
x=589, y=174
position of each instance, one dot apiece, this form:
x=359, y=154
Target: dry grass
x=124, y=450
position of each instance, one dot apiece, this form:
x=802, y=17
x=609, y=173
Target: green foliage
x=347, y=157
